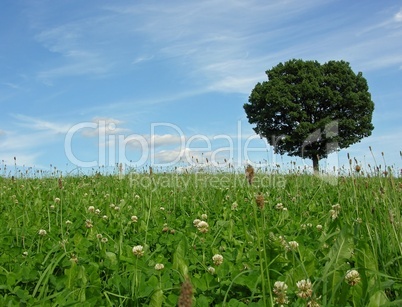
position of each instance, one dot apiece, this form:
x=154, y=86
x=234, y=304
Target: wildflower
x=52, y=207
x=202, y=227
x=211, y=270
x=105, y=217
x=138, y=250
x=137, y=196
x=293, y=245
x=165, y=228
x=134, y=219
x=57, y=200
x=280, y=288
x=99, y=236
x=285, y=209
x=68, y=222
x=279, y=206
x=305, y=290
x=74, y=258
x=186, y=294
x=91, y=209
x=42, y=232
x=217, y=259
x=25, y=254
x=159, y=266
x=352, y=277
x=319, y=227
x=97, y=211
x=88, y=224
x=162, y=208
x=112, y=206
x=234, y=206
x=204, y=217
x=334, y=212
x=117, y=208
x=196, y=222
x=313, y=303
x=104, y=240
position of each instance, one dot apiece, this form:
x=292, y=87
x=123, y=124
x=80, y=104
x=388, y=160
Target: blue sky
x=94, y=83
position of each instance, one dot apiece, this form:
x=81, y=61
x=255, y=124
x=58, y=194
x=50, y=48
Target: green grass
x=75, y=264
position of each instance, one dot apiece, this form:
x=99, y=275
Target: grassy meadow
x=201, y=239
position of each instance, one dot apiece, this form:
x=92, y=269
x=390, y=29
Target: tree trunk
x=316, y=167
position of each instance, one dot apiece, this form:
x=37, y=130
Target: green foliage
x=309, y=110
x=87, y=259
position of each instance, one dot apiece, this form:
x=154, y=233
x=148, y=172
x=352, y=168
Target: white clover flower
x=202, y=227
x=196, y=221
x=138, y=250
x=305, y=288
x=99, y=236
x=91, y=209
x=204, y=217
x=293, y=245
x=137, y=196
x=25, y=254
x=319, y=227
x=352, y=277
x=52, y=207
x=234, y=206
x=68, y=222
x=42, y=232
x=97, y=211
x=334, y=212
x=104, y=240
x=279, y=206
x=117, y=208
x=159, y=266
x=105, y=217
x=217, y=259
x=112, y=206
x=134, y=219
x=211, y=270
x=162, y=208
x=285, y=209
x=279, y=290
x=57, y=200
x=280, y=286
x=89, y=224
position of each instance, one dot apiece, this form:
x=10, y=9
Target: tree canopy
x=310, y=110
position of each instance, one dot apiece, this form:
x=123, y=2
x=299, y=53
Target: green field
x=293, y=239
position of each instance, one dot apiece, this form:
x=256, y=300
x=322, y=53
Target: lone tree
x=310, y=110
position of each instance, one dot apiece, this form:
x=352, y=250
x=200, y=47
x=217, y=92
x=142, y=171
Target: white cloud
x=398, y=16
x=102, y=126
x=41, y=125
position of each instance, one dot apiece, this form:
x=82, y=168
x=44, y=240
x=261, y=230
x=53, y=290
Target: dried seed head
x=249, y=174
x=259, y=199
x=186, y=294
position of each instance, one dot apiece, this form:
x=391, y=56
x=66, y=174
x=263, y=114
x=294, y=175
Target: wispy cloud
x=41, y=125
